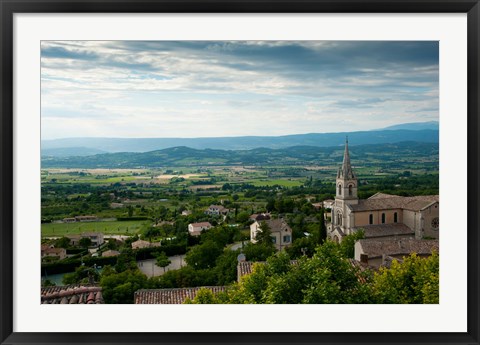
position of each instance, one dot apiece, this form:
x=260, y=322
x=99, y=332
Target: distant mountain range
x=88, y=146
x=415, y=126
x=387, y=155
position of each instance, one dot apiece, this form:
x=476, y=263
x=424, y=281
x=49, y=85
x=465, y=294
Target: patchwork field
x=107, y=227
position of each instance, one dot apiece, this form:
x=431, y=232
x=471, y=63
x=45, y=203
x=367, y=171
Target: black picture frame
x=10, y=7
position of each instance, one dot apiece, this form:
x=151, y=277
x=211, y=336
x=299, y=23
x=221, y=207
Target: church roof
x=378, y=247
x=385, y=230
x=382, y=201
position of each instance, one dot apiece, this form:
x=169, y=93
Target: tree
x=203, y=255
x=162, y=260
x=327, y=277
x=347, y=247
x=416, y=280
x=242, y=217
x=63, y=242
x=85, y=242
x=119, y=288
x=264, y=236
x=302, y=246
x=322, y=229
x=258, y=251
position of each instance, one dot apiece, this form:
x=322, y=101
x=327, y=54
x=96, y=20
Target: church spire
x=346, y=169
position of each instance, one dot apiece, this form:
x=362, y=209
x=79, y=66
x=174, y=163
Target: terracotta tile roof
x=260, y=216
x=385, y=230
x=277, y=225
x=217, y=207
x=387, y=261
x=172, y=296
x=383, y=196
x=378, y=247
x=72, y=294
x=201, y=224
x=360, y=267
x=381, y=201
x=109, y=253
x=139, y=244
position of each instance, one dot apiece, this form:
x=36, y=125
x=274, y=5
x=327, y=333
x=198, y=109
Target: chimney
x=364, y=258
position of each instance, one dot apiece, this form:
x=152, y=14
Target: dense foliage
x=329, y=277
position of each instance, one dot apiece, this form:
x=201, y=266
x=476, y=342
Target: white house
x=281, y=232
x=195, y=229
x=216, y=210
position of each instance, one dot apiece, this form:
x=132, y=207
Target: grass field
x=108, y=228
x=284, y=183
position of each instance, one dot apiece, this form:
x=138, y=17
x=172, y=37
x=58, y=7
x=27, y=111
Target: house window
x=370, y=219
x=274, y=239
x=395, y=217
x=287, y=239
x=350, y=192
x=339, y=189
x=435, y=223
x=383, y=218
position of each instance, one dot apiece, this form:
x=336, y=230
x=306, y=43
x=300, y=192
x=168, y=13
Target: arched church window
x=339, y=189
x=339, y=219
x=370, y=219
x=350, y=190
x=395, y=217
x=383, y=218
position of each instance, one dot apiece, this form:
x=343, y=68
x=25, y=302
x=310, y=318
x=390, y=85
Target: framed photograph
x=239, y=172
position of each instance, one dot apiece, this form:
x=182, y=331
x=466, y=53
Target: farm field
x=106, y=227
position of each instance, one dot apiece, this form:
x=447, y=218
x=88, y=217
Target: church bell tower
x=346, y=183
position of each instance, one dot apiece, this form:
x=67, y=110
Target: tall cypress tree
x=322, y=229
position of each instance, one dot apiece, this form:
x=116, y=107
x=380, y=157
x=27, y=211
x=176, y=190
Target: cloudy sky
x=218, y=88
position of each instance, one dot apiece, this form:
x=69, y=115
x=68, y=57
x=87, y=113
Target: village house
x=48, y=250
x=195, y=229
x=86, y=218
x=381, y=215
x=96, y=238
x=375, y=251
x=260, y=216
x=281, y=233
x=110, y=253
x=140, y=244
x=80, y=219
x=217, y=210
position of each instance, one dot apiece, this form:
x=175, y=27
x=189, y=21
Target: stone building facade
x=381, y=215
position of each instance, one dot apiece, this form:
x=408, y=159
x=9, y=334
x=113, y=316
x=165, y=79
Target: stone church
x=381, y=215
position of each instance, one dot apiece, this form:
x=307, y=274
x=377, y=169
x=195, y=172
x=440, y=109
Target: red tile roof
x=381, y=201
x=201, y=224
x=385, y=230
x=72, y=294
x=172, y=296
x=378, y=247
